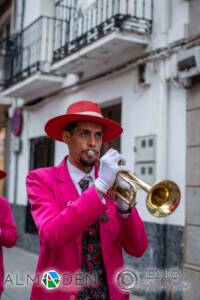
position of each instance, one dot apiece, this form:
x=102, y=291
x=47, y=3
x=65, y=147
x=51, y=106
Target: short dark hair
x=70, y=127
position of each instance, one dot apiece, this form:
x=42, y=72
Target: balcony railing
x=99, y=19
x=29, y=51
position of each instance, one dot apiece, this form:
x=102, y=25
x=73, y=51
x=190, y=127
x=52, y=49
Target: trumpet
x=162, y=198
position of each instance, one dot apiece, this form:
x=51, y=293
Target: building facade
x=127, y=56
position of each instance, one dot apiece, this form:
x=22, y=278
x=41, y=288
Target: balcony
x=107, y=34
x=25, y=61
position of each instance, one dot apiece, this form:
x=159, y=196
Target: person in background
x=82, y=229
x=8, y=232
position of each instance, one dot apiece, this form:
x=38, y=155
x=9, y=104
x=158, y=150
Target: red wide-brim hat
x=82, y=110
x=2, y=174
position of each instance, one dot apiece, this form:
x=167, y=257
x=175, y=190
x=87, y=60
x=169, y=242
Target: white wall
x=32, y=11
x=170, y=21
x=179, y=20
x=177, y=147
x=139, y=117
x=35, y=9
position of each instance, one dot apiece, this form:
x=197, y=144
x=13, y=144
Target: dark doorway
x=114, y=113
x=41, y=155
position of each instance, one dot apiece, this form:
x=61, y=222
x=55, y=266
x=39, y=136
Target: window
x=150, y=170
x=151, y=143
x=143, y=171
x=143, y=143
x=141, y=73
x=41, y=155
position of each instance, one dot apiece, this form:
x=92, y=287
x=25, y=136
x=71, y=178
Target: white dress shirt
x=76, y=175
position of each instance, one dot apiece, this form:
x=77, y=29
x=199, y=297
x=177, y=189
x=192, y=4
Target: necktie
x=91, y=260
x=84, y=183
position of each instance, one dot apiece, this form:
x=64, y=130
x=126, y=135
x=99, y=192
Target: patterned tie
x=84, y=183
x=91, y=260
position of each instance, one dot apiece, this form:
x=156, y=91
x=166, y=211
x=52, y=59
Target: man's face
x=85, y=136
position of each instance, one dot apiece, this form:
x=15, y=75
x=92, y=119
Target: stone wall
x=192, y=228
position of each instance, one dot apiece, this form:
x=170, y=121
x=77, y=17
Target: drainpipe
x=162, y=124
x=162, y=148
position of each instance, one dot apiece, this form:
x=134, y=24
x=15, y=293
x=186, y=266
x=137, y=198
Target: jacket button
x=104, y=218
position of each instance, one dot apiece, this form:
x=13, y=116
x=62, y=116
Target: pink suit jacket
x=61, y=216
x=8, y=234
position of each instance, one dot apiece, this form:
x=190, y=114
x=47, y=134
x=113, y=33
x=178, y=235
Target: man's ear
x=65, y=136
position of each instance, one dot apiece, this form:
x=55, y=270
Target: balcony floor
x=108, y=52
x=34, y=87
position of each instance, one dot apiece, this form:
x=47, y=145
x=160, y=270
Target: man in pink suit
x=81, y=230
x=8, y=232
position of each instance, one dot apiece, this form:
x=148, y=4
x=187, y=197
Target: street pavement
x=19, y=265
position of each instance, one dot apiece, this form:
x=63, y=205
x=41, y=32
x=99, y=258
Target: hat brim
x=2, y=174
x=54, y=127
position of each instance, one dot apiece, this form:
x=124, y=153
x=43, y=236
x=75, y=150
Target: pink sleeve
x=8, y=234
x=60, y=227
x=134, y=236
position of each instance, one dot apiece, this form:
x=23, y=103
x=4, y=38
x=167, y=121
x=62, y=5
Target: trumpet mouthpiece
x=93, y=154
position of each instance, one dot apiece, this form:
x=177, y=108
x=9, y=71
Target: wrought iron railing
x=102, y=17
x=7, y=48
x=5, y=69
x=29, y=51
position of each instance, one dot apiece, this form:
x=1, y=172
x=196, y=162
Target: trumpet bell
x=163, y=198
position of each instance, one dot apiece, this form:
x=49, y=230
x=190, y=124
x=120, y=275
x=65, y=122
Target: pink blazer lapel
x=66, y=187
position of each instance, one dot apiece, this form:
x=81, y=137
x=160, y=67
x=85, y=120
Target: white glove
x=122, y=205
x=108, y=170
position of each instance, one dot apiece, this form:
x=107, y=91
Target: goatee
x=87, y=163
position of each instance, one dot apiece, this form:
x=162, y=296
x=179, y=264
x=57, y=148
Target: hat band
x=90, y=113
